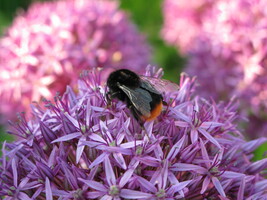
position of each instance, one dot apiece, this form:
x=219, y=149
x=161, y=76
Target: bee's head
x=123, y=77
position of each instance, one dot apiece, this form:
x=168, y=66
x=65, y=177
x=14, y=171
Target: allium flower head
x=81, y=148
x=227, y=50
x=183, y=21
x=47, y=47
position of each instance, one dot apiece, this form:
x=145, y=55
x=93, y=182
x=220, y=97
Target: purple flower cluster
x=82, y=148
x=226, y=45
x=183, y=21
x=47, y=47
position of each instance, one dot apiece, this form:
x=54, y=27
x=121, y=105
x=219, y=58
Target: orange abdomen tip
x=154, y=113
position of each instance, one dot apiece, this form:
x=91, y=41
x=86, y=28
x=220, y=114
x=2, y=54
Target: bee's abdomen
x=156, y=107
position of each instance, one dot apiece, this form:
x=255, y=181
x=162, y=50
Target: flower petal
x=205, y=184
x=218, y=186
x=15, y=172
x=128, y=174
x=67, y=137
x=176, y=149
x=132, y=194
x=80, y=148
x=94, y=185
x=48, y=191
x=98, y=160
x=209, y=137
x=110, y=176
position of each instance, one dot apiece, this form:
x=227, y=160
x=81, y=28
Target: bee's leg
x=108, y=98
x=134, y=112
x=164, y=103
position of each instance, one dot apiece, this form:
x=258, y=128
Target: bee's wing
x=140, y=99
x=158, y=86
x=148, y=86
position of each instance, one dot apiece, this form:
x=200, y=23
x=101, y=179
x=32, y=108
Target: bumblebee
x=140, y=93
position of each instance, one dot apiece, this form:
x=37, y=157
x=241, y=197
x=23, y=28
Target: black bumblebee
x=141, y=94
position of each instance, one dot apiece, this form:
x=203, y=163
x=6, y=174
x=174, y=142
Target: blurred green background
x=145, y=14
